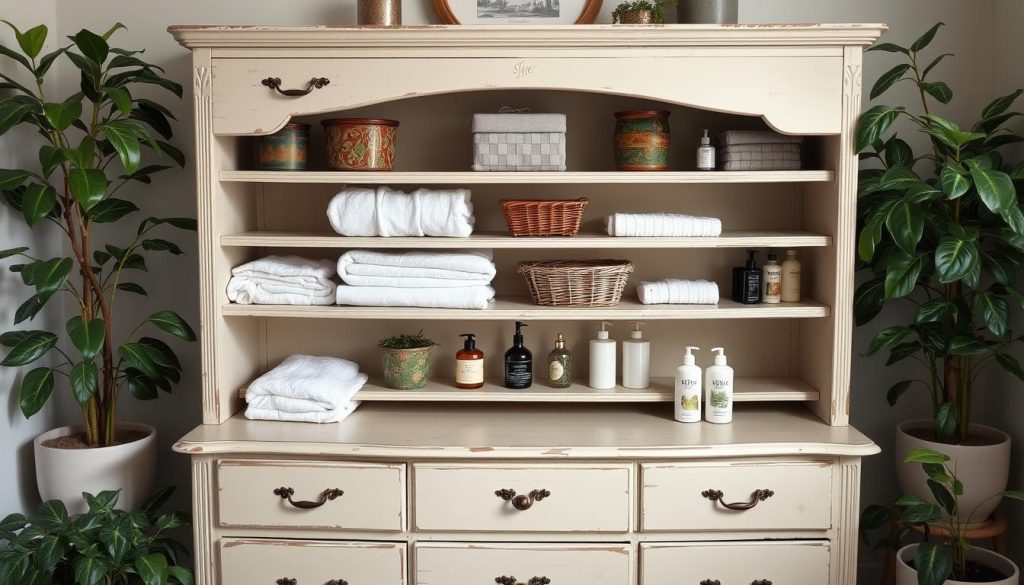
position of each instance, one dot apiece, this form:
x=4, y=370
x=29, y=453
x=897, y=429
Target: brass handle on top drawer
x=755, y=498
x=522, y=501
x=286, y=493
x=344, y=582
x=509, y=580
x=710, y=582
x=762, y=582
x=315, y=83
x=286, y=581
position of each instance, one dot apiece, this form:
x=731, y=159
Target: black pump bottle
x=518, y=362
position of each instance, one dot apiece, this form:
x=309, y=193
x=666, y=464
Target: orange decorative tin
x=360, y=144
x=642, y=140
x=284, y=150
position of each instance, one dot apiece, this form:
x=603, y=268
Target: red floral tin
x=360, y=144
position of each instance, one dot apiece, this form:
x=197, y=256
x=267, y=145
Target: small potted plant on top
x=406, y=360
x=641, y=12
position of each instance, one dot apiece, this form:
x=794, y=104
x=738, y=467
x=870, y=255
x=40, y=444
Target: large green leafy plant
x=941, y=231
x=104, y=546
x=93, y=144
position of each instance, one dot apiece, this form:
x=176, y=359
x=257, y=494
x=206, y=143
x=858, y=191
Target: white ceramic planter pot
x=984, y=469
x=905, y=575
x=63, y=474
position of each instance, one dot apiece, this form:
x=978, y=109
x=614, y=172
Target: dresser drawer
x=311, y=562
x=698, y=496
x=256, y=494
x=727, y=563
x=485, y=564
x=547, y=498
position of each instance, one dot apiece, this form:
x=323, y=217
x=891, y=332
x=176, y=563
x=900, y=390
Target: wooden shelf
x=747, y=239
x=507, y=309
x=514, y=178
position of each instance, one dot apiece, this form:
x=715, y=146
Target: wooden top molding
x=488, y=36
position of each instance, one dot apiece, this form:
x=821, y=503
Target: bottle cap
x=470, y=340
x=791, y=253
x=705, y=140
x=688, y=359
x=636, y=333
x=603, y=333
x=518, y=337
x=720, y=358
x=772, y=256
x=751, y=263
x=560, y=341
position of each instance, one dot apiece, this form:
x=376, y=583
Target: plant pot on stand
x=907, y=574
x=407, y=369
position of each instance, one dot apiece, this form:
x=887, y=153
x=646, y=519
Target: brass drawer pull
x=315, y=83
x=287, y=581
x=510, y=580
x=286, y=493
x=755, y=498
x=710, y=582
x=344, y=582
x=762, y=582
x=522, y=501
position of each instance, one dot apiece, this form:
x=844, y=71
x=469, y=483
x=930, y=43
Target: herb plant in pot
x=406, y=360
x=641, y=12
x=942, y=232
x=92, y=144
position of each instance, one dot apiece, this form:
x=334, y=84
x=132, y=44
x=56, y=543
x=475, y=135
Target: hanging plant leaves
x=36, y=389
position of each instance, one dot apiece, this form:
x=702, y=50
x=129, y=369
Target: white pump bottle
x=687, y=396
x=718, y=389
x=602, y=360
x=636, y=360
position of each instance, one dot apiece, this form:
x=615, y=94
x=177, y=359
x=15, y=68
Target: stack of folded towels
x=282, y=280
x=662, y=224
x=678, y=292
x=448, y=280
x=741, y=150
x=388, y=213
x=306, y=389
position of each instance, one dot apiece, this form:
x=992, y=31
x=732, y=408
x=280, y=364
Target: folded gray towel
x=730, y=137
x=777, y=149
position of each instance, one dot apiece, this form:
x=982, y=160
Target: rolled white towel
x=389, y=213
x=472, y=297
x=662, y=224
x=678, y=292
x=304, y=383
x=328, y=416
x=416, y=269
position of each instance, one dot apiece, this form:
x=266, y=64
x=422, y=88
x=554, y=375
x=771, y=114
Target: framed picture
x=517, y=11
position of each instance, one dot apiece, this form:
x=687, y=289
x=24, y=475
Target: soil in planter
x=976, y=573
x=77, y=440
x=972, y=440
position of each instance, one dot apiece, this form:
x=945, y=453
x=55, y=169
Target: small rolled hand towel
x=678, y=292
x=662, y=224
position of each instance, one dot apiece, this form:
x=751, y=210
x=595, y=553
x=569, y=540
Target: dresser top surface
x=474, y=431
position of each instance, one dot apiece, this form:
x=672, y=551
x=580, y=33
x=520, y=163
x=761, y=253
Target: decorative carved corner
x=201, y=80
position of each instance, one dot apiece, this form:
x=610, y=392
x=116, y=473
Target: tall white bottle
x=718, y=389
x=636, y=359
x=602, y=360
x=687, y=403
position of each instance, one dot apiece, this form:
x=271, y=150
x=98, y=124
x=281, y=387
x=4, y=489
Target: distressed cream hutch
x=567, y=487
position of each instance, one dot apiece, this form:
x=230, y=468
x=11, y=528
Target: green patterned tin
x=284, y=150
x=407, y=369
x=642, y=140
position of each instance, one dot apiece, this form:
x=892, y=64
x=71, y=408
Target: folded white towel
x=662, y=224
x=388, y=213
x=416, y=269
x=327, y=416
x=304, y=383
x=472, y=297
x=282, y=280
x=731, y=137
x=678, y=292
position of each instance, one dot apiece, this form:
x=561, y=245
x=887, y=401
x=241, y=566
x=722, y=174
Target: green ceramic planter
x=407, y=369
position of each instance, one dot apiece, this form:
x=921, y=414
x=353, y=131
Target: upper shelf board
x=526, y=178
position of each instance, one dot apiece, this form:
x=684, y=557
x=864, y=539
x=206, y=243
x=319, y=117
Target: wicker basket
x=543, y=218
x=578, y=283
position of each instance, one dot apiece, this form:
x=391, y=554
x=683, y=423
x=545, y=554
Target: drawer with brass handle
x=311, y=562
x=804, y=562
x=522, y=564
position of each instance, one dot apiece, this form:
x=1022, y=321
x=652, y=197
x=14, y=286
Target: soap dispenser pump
x=705, y=154
x=518, y=362
x=636, y=360
x=469, y=364
x=602, y=360
x=718, y=389
x=687, y=394
x=746, y=281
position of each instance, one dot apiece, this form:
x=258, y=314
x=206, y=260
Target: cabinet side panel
x=845, y=518
x=204, y=556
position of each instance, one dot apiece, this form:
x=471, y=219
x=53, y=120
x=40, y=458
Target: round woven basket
x=543, y=217
x=578, y=283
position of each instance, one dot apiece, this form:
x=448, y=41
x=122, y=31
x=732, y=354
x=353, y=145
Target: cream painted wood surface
x=583, y=498
x=373, y=499
x=567, y=564
x=734, y=563
x=248, y=561
x=527, y=178
x=673, y=495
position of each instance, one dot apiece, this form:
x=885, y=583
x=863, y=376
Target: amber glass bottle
x=469, y=365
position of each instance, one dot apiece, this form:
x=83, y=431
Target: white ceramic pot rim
x=123, y=426
x=983, y=555
x=997, y=436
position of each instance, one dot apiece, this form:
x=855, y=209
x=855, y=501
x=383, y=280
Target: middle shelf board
x=498, y=240
x=521, y=309
x=524, y=178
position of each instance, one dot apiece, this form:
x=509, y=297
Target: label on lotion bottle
x=469, y=371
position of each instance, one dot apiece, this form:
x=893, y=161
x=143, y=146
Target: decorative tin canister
x=284, y=150
x=641, y=140
x=379, y=12
x=360, y=144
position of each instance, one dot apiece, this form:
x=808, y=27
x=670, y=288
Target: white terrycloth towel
x=282, y=280
x=678, y=292
x=416, y=269
x=472, y=297
x=731, y=137
x=328, y=416
x=388, y=213
x=305, y=389
x=662, y=224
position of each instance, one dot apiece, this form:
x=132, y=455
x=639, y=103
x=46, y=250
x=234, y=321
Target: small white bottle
x=687, y=397
x=718, y=389
x=791, y=278
x=771, y=280
x=636, y=360
x=602, y=360
x=705, y=154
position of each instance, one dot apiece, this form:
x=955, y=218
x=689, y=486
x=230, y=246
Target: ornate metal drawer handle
x=509, y=580
x=757, y=496
x=344, y=582
x=286, y=493
x=762, y=582
x=286, y=581
x=710, y=582
x=315, y=83
x=522, y=501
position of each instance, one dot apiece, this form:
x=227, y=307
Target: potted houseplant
x=93, y=144
x=102, y=546
x=945, y=556
x=406, y=360
x=641, y=11
x=942, y=232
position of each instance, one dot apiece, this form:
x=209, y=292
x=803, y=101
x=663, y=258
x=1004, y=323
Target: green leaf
x=888, y=78
x=12, y=252
x=963, y=345
x=50, y=276
x=161, y=245
x=139, y=385
x=1014, y=495
x=888, y=48
x=116, y=539
x=50, y=158
x=934, y=62
x=902, y=272
x=942, y=496
x=887, y=338
x=873, y=123
x=32, y=346
x=938, y=90
x=925, y=39
x=995, y=188
x=953, y=183
x=138, y=357
x=172, y=151
x=154, y=118
x=946, y=419
x=82, y=156
x=84, y=381
x=132, y=287
x=925, y=455
x=161, y=353
x=36, y=389
x=871, y=235
x=152, y=569
x=898, y=154
x=120, y=96
x=1000, y=105
x=936, y=472
x=11, y=178
x=38, y=202
x=47, y=61
x=897, y=390
x=31, y=41
x=125, y=136
x=60, y=116
x=91, y=45
x=181, y=575
x=88, y=336
x=13, y=522
x=868, y=301
x=29, y=309
x=111, y=210
x=954, y=259
x=49, y=551
x=934, y=310
x=101, y=502
x=934, y=563
x=90, y=570
x=11, y=114
x=172, y=323
x=172, y=520
x=994, y=311
x=1010, y=364
x=88, y=186
x=921, y=514
x=906, y=226
x=1013, y=218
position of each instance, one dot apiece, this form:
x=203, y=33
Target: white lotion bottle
x=602, y=360
x=687, y=397
x=636, y=360
x=718, y=389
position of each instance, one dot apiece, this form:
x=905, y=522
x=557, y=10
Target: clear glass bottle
x=560, y=365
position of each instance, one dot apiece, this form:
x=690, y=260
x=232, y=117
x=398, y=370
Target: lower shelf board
x=661, y=390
